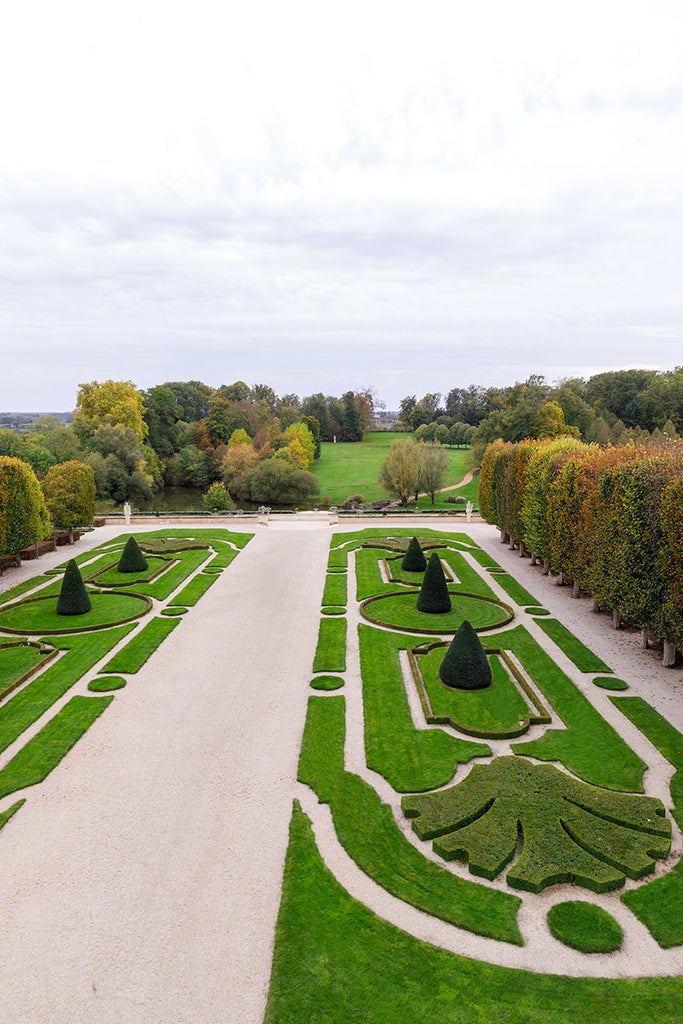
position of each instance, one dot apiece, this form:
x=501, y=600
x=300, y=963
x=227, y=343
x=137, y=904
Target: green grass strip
x=18, y=663
x=335, y=589
x=588, y=746
x=330, y=654
x=515, y=591
x=133, y=656
x=45, y=750
x=368, y=832
x=659, y=904
x=195, y=589
x=335, y=962
x=83, y=652
x=578, y=653
x=411, y=760
x=338, y=559
x=7, y=596
x=165, y=585
x=10, y=812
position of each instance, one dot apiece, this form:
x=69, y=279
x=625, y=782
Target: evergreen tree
x=73, y=597
x=434, y=596
x=414, y=559
x=465, y=665
x=132, y=558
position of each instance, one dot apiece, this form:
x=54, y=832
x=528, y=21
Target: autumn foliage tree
x=400, y=472
x=69, y=490
x=24, y=518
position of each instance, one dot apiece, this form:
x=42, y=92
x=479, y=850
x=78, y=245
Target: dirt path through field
x=141, y=881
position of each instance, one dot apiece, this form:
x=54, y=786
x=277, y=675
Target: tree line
x=607, y=519
x=189, y=434
x=609, y=408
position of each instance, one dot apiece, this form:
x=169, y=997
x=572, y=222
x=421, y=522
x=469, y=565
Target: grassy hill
x=346, y=469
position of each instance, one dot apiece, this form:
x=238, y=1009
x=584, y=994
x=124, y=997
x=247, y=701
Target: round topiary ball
x=465, y=665
x=414, y=559
x=73, y=597
x=132, y=558
x=434, y=596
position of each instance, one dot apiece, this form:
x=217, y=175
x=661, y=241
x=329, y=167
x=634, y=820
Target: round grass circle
x=610, y=683
x=333, y=610
x=537, y=611
x=327, y=683
x=170, y=612
x=39, y=614
x=585, y=926
x=106, y=684
x=399, y=611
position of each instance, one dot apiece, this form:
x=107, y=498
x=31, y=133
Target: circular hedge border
x=506, y=609
x=585, y=926
x=81, y=626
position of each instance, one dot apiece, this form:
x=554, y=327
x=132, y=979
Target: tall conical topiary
x=132, y=558
x=434, y=596
x=414, y=559
x=465, y=666
x=73, y=597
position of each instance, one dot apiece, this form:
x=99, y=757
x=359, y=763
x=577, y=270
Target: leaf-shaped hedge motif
x=561, y=829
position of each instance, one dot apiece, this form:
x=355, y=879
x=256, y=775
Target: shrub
x=73, y=597
x=414, y=559
x=132, y=558
x=465, y=665
x=217, y=498
x=434, y=596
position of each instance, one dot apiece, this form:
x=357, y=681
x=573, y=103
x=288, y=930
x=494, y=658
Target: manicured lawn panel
x=133, y=656
x=7, y=596
x=10, y=812
x=368, y=832
x=470, y=580
x=659, y=904
x=36, y=615
x=335, y=962
x=335, y=589
x=498, y=710
x=338, y=559
x=411, y=760
x=44, y=751
x=195, y=589
x=330, y=654
x=18, y=663
x=83, y=652
x=582, y=656
x=368, y=577
x=585, y=926
x=515, y=591
x=589, y=746
x=399, y=611
x=162, y=588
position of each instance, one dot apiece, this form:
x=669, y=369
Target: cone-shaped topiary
x=132, y=558
x=73, y=597
x=434, y=596
x=414, y=559
x=465, y=666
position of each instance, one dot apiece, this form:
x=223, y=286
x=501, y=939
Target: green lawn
x=346, y=469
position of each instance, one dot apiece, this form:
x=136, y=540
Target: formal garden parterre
x=134, y=591
x=488, y=809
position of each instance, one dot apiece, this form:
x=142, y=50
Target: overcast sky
x=323, y=196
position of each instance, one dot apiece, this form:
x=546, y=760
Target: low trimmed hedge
x=571, y=831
